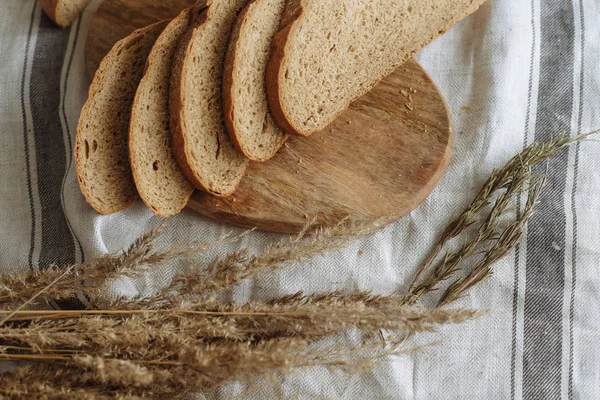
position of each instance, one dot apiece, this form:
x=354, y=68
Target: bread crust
x=135, y=164
x=53, y=10
x=79, y=148
x=49, y=7
x=228, y=72
x=200, y=16
x=292, y=14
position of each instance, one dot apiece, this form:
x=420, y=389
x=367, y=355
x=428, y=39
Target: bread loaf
x=64, y=12
x=329, y=53
x=159, y=181
x=247, y=115
x=202, y=147
x=101, y=145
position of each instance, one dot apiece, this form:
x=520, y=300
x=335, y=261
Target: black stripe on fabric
x=515, y=301
x=573, y=200
x=26, y=141
x=545, y=279
x=57, y=242
x=68, y=130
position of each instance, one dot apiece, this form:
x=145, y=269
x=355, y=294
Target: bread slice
x=64, y=12
x=101, y=150
x=201, y=144
x=247, y=115
x=328, y=54
x=159, y=181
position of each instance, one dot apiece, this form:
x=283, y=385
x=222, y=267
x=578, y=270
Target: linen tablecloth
x=514, y=72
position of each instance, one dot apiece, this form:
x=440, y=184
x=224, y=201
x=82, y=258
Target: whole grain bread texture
x=201, y=144
x=64, y=12
x=327, y=54
x=247, y=115
x=158, y=179
x=101, y=145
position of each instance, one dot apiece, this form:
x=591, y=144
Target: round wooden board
x=380, y=159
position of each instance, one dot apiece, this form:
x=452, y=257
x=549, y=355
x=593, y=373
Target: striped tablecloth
x=515, y=72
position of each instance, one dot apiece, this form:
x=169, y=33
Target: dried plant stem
x=506, y=242
x=94, y=276
x=29, y=301
x=183, y=341
x=489, y=230
x=196, y=370
x=512, y=178
x=226, y=272
x=307, y=317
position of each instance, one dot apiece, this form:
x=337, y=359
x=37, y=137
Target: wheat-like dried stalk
x=508, y=239
x=95, y=276
x=183, y=340
x=135, y=331
x=189, y=370
x=226, y=272
x=513, y=178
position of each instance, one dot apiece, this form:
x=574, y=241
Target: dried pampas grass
x=186, y=339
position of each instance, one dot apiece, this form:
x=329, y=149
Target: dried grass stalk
x=183, y=341
x=135, y=332
x=513, y=178
x=193, y=371
x=508, y=239
x=93, y=277
x=223, y=273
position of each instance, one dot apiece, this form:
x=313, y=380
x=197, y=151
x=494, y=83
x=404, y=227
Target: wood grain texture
x=116, y=19
x=380, y=159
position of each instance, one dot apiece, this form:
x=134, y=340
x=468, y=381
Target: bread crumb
x=404, y=93
x=299, y=161
x=286, y=145
x=349, y=122
x=414, y=91
x=361, y=252
x=466, y=108
x=411, y=108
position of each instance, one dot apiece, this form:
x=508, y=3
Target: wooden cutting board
x=380, y=159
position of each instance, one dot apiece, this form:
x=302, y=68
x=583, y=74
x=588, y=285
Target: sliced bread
x=159, y=181
x=101, y=150
x=247, y=115
x=202, y=147
x=64, y=12
x=328, y=54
